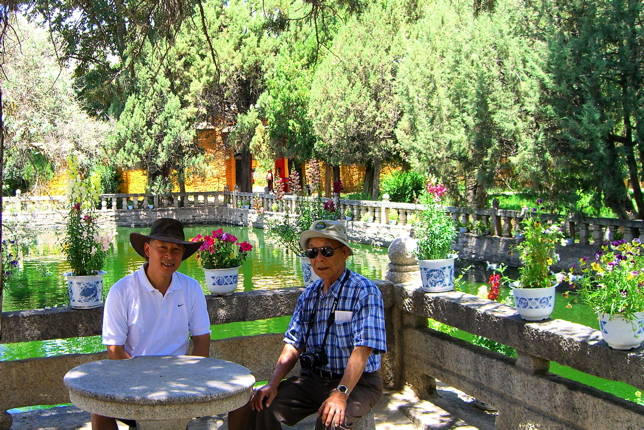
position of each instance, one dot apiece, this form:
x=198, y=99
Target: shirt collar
x=147, y=286
x=335, y=287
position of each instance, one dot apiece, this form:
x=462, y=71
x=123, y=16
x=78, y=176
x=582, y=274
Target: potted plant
x=435, y=233
x=85, y=247
x=393, y=216
x=481, y=228
x=220, y=256
x=348, y=214
x=286, y=228
x=612, y=284
x=366, y=217
x=534, y=291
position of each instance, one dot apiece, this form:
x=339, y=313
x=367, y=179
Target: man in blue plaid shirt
x=337, y=332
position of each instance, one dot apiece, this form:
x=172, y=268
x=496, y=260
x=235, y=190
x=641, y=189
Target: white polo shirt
x=145, y=322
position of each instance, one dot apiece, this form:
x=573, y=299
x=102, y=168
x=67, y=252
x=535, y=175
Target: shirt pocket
x=343, y=334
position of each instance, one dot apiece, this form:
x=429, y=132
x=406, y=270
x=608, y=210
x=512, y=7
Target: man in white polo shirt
x=155, y=310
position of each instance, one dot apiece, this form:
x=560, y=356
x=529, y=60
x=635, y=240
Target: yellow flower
x=568, y=306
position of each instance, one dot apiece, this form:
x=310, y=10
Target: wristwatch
x=343, y=389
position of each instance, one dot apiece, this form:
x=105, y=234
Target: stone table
x=159, y=392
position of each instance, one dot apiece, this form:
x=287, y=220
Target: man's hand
x=333, y=409
x=263, y=397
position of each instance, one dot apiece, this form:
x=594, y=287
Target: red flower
x=245, y=247
x=337, y=187
x=495, y=283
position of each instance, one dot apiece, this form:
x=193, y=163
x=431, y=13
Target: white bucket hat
x=328, y=229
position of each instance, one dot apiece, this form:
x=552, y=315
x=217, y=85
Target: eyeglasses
x=326, y=251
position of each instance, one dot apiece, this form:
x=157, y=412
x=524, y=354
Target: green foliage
x=593, y=100
x=435, y=231
x=469, y=89
x=109, y=179
x=24, y=170
x=156, y=130
x=494, y=346
x=611, y=283
x=537, y=251
x=287, y=228
x=352, y=105
x=84, y=247
x=403, y=186
x=44, y=123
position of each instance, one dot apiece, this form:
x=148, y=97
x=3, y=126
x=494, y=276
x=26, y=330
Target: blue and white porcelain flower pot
x=437, y=275
x=307, y=272
x=534, y=304
x=85, y=292
x=222, y=282
x=620, y=333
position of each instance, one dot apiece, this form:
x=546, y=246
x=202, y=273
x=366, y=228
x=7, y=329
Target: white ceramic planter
x=307, y=272
x=85, y=292
x=534, y=304
x=222, y=282
x=620, y=333
x=437, y=275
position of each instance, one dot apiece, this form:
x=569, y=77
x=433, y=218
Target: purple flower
x=539, y=201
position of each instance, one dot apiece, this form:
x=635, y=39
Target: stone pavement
x=452, y=410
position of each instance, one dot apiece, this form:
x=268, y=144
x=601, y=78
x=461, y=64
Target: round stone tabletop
x=159, y=387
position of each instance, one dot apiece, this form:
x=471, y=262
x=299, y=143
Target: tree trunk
x=634, y=181
x=375, y=181
x=181, y=178
x=367, y=185
x=328, y=179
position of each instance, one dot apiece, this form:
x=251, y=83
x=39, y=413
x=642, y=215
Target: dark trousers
x=301, y=396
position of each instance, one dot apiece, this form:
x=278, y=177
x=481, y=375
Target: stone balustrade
x=522, y=389
x=129, y=209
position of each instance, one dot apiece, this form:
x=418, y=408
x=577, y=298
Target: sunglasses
x=326, y=251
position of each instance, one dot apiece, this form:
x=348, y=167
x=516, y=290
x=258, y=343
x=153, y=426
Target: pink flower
x=217, y=233
x=227, y=237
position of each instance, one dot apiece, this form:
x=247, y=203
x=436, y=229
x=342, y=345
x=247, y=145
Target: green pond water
x=40, y=284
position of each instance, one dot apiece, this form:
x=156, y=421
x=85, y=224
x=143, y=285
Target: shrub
x=403, y=186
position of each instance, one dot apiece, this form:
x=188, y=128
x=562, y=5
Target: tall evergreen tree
x=469, y=89
x=593, y=119
x=353, y=105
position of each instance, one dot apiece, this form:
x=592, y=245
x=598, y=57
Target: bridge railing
x=493, y=222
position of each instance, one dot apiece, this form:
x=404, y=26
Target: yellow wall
x=221, y=171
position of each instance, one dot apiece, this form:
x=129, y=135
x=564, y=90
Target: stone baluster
x=103, y=204
x=583, y=233
x=155, y=201
x=404, y=213
x=384, y=219
x=378, y=216
x=507, y=226
x=597, y=234
x=124, y=203
x=630, y=233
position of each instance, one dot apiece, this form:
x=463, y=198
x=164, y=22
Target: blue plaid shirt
x=366, y=326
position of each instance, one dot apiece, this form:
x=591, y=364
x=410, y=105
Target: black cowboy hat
x=165, y=230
